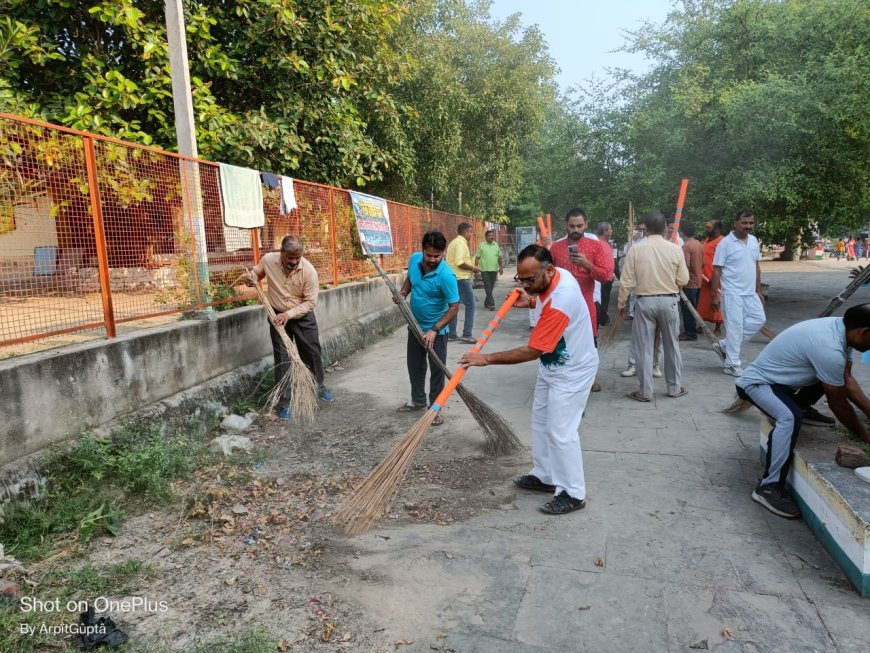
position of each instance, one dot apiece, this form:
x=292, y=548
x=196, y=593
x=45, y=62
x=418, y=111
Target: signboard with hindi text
x=372, y=223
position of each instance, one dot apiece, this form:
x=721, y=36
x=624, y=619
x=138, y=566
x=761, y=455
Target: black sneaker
x=562, y=504
x=530, y=482
x=775, y=498
x=812, y=416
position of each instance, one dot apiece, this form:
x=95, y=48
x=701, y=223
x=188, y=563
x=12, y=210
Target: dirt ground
x=257, y=547
x=20, y=317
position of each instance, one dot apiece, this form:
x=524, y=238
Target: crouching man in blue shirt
x=434, y=302
x=801, y=364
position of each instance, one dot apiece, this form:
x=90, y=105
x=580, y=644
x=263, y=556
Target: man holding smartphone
x=585, y=258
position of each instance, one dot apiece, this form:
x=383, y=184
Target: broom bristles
x=767, y=332
x=369, y=500
x=303, y=386
x=608, y=335
x=499, y=437
x=738, y=406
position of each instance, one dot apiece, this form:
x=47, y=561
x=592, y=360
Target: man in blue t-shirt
x=801, y=364
x=434, y=302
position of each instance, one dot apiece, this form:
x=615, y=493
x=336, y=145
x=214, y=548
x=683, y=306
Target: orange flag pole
x=678, y=214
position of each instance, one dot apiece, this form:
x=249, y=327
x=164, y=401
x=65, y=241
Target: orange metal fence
x=95, y=232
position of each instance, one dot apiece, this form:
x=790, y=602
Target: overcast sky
x=581, y=34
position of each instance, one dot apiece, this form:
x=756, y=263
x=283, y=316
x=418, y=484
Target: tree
x=479, y=91
x=295, y=87
x=760, y=104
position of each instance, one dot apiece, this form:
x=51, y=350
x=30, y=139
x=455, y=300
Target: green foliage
x=101, y=519
x=420, y=98
x=291, y=87
x=90, y=481
x=88, y=581
x=478, y=91
x=758, y=103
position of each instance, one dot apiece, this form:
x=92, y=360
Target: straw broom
x=370, y=499
x=300, y=380
x=607, y=336
x=863, y=276
x=499, y=438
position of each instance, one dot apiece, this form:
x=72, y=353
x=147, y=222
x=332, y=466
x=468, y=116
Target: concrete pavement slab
x=726, y=560
x=578, y=611
x=742, y=621
x=686, y=551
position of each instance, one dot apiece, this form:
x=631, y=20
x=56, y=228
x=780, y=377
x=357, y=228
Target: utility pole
x=185, y=134
x=460, y=202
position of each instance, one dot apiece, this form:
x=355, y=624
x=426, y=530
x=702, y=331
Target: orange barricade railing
x=96, y=232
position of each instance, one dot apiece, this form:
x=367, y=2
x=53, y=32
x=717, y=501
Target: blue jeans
x=466, y=296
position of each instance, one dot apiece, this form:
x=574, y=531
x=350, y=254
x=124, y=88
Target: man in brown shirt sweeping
x=292, y=284
x=694, y=251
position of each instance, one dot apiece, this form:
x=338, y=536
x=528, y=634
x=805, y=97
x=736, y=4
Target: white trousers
x=556, y=414
x=744, y=316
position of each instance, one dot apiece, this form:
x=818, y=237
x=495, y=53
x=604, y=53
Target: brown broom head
x=608, y=335
x=767, y=332
x=499, y=437
x=304, y=390
x=737, y=407
x=371, y=498
x=303, y=386
x=277, y=391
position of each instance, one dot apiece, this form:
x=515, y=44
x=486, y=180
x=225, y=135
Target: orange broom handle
x=487, y=333
x=678, y=214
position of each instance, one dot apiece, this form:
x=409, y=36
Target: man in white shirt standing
x=736, y=285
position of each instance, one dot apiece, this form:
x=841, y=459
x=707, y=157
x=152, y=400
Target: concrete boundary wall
x=50, y=396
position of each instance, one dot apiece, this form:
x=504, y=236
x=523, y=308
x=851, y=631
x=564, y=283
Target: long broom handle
x=481, y=342
x=697, y=317
x=860, y=279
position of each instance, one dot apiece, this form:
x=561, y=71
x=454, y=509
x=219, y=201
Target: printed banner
x=525, y=236
x=372, y=222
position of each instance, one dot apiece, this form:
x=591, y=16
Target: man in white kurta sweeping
x=562, y=341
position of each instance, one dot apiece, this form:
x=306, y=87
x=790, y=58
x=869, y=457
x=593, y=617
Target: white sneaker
x=718, y=349
x=631, y=370
x=657, y=373
x=733, y=370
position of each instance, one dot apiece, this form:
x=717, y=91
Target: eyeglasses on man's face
x=528, y=281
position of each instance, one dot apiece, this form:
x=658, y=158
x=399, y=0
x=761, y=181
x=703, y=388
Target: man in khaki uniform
x=292, y=284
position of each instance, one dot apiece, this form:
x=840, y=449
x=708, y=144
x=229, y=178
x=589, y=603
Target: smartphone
x=572, y=249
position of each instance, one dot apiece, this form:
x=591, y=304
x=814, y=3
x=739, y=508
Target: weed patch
x=25, y=631
x=90, y=482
